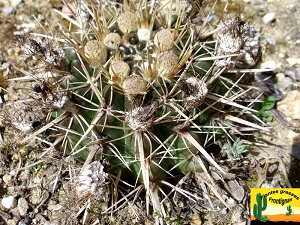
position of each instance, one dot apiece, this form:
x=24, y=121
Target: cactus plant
x=259, y=207
x=289, y=210
x=138, y=85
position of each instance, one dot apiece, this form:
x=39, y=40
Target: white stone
x=12, y=222
x=7, y=178
x=14, y=3
x=288, y=37
x=22, y=206
x=269, y=65
x=269, y=17
x=51, y=223
x=9, y=202
x=293, y=61
x=230, y=201
x=279, y=76
x=54, y=207
x=290, y=106
x=284, y=83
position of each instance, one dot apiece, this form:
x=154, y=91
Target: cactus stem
x=191, y=139
x=90, y=128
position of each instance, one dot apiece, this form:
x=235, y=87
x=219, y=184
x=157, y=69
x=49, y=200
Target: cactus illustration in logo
x=289, y=211
x=259, y=207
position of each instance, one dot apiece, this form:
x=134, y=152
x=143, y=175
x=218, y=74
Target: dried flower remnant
x=52, y=97
x=96, y=52
x=112, y=40
x=238, y=37
x=119, y=71
x=135, y=85
x=92, y=180
x=164, y=40
x=49, y=55
x=24, y=118
x=194, y=91
x=127, y=22
x=141, y=118
x=167, y=64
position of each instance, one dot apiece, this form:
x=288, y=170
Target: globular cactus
x=259, y=207
x=144, y=86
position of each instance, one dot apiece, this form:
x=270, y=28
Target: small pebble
x=196, y=219
x=297, y=74
x=291, y=73
x=272, y=169
x=290, y=106
x=288, y=37
x=284, y=83
x=9, y=202
x=12, y=222
x=7, y=178
x=267, y=184
x=22, y=206
x=269, y=65
x=279, y=76
x=39, y=218
x=293, y=61
x=271, y=41
x=15, y=3
x=51, y=223
x=117, y=30
x=279, y=150
x=54, y=207
x=269, y=17
x=22, y=222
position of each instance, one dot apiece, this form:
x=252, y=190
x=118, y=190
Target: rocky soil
x=26, y=181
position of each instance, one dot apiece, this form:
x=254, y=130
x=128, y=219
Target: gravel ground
x=274, y=163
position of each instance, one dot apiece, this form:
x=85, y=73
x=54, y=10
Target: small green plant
x=237, y=150
x=263, y=108
x=259, y=207
x=36, y=167
x=180, y=221
x=36, y=11
x=289, y=210
x=240, y=147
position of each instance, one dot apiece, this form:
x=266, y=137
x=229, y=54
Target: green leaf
x=269, y=103
x=268, y=117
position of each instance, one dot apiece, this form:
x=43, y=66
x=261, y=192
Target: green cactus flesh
x=148, y=130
